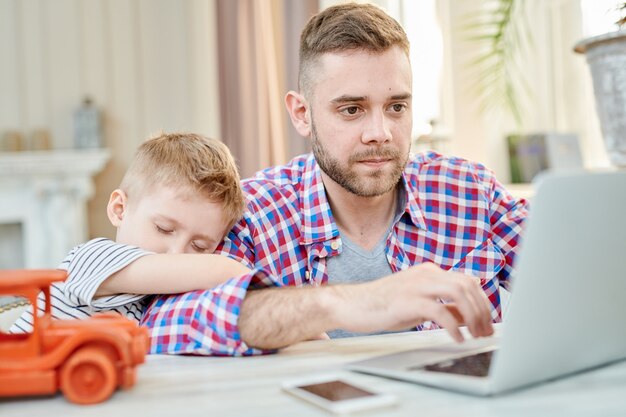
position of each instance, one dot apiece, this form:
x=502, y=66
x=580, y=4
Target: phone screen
x=336, y=391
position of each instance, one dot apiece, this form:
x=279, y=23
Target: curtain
x=255, y=39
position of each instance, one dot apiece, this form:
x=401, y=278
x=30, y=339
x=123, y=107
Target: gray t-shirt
x=355, y=264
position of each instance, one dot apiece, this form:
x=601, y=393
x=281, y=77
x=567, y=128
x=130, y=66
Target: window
x=598, y=16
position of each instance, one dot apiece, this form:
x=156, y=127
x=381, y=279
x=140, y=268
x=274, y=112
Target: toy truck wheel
x=88, y=377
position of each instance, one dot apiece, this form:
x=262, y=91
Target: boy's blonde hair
x=346, y=27
x=187, y=160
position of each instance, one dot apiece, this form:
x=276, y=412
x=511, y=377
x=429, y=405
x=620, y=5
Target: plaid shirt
x=456, y=215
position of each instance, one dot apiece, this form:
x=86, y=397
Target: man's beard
x=376, y=183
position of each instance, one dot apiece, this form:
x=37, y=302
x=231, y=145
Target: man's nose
x=377, y=128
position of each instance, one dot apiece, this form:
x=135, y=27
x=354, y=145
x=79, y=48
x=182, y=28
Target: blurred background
x=84, y=82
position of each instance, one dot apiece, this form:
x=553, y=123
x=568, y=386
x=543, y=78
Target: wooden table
x=181, y=386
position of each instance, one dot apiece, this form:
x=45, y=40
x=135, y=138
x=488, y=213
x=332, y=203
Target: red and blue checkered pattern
x=456, y=215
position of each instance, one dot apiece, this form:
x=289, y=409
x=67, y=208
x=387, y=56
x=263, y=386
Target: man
x=360, y=213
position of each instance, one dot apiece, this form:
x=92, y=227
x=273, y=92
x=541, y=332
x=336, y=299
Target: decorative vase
x=606, y=56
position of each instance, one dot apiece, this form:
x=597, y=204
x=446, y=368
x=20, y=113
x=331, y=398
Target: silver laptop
x=567, y=308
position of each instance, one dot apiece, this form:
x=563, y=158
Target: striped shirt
x=455, y=214
x=88, y=265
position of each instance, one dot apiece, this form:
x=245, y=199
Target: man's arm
x=203, y=322
x=235, y=319
x=171, y=274
x=274, y=318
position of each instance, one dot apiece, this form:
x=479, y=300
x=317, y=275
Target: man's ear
x=298, y=109
x=118, y=204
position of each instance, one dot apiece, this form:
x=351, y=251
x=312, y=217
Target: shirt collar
x=412, y=206
x=318, y=222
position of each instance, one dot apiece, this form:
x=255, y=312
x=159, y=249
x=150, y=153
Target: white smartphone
x=337, y=395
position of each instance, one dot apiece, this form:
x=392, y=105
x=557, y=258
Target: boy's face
x=168, y=220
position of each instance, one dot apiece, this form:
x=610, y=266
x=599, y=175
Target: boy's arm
x=171, y=274
x=100, y=268
x=90, y=264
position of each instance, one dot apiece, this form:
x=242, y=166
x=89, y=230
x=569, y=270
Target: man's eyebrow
x=348, y=99
x=355, y=99
x=405, y=96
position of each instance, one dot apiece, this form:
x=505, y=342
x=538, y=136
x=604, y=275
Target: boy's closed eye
x=198, y=246
x=164, y=230
x=201, y=247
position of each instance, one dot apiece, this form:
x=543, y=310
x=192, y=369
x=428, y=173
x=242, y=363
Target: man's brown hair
x=187, y=160
x=347, y=27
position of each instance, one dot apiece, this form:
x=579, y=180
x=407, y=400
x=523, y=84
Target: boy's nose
x=176, y=248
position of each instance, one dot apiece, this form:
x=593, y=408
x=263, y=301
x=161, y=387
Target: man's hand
x=408, y=298
x=276, y=317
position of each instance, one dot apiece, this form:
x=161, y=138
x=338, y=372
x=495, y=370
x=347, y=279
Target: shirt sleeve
x=89, y=264
x=204, y=322
x=238, y=243
x=507, y=215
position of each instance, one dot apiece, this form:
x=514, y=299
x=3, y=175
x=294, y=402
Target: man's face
x=172, y=220
x=361, y=119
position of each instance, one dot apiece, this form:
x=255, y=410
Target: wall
x=561, y=95
x=560, y=90
x=148, y=64
x=151, y=64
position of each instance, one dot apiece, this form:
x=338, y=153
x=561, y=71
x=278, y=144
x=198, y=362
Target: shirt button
x=334, y=245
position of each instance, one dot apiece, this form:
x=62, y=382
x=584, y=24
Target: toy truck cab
x=85, y=359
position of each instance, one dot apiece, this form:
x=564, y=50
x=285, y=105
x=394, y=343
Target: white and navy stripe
x=88, y=265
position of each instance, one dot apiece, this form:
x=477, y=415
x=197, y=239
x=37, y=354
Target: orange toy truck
x=86, y=359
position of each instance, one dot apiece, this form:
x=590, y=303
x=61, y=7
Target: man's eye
x=162, y=230
x=350, y=111
x=398, y=107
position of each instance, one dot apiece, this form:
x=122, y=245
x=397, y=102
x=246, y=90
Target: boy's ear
x=298, y=110
x=116, y=207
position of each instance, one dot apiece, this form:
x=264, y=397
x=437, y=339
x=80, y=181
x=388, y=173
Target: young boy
x=178, y=199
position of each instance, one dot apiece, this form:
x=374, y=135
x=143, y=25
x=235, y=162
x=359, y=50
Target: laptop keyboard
x=472, y=365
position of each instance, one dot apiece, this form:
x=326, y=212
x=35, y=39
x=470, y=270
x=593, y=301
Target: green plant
x=499, y=31
x=622, y=9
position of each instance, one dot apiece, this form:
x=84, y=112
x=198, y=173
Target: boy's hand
x=322, y=336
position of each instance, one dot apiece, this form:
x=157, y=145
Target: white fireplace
x=43, y=204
